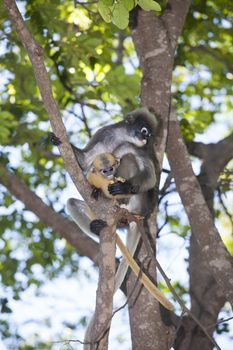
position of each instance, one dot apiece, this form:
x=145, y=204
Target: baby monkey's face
x=106, y=164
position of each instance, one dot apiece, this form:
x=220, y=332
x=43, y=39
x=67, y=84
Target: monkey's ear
x=129, y=119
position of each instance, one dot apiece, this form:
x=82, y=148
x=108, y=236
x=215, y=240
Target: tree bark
x=155, y=40
x=208, y=239
x=206, y=298
x=105, y=291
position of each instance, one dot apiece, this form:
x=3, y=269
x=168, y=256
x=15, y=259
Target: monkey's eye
x=145, y=131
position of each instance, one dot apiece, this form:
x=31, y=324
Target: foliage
x=203, y=75
x=118, y=12
x=95, y=78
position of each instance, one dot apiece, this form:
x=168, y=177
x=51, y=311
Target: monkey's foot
x=138, y=217
x=54, y=139
x=130, y=216
x=97, y=225
x=123, y=222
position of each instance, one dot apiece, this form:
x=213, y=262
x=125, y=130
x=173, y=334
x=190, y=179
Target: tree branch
x=206, y=298
x=68, y=230
x=197, y=149
x=200, y=218
x=155, y=51
x=215, y=53
x=104, y=295
x=215, y=157
x=216, y=154
x=174, y=17
x=104, y=210
x=35, y=53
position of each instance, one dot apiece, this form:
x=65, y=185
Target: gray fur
x=108, y=138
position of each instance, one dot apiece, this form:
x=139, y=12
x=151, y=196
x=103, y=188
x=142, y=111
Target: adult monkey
x=131, y=141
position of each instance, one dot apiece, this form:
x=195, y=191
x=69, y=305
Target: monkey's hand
x=54, y=139
x=122, y=188
x=97, y=225
x=95, y=193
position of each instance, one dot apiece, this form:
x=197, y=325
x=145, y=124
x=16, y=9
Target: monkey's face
x=108, y=173
x=141, y=126
x=106, y=164
x=143, y=134
x=140, y=132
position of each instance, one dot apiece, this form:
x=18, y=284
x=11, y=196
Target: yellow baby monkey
x=102, y=174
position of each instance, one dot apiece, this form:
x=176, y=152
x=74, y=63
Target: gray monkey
x=132, y=141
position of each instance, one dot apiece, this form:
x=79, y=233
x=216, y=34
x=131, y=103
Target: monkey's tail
x=83, y=215
x=133, y=238
x=148, y=284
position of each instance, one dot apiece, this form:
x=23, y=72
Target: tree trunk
x=155, y=40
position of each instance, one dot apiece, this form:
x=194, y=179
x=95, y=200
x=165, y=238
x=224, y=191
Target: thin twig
x=165, y=221
x=85, y=122
x=167, y=183
x=220, y=321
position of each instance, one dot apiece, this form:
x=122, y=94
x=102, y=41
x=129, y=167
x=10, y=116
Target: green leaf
x=149, y=5
x=107, y=2
x=120, y=16
x=104, y=11
x=4, y=134
x=129, y=4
